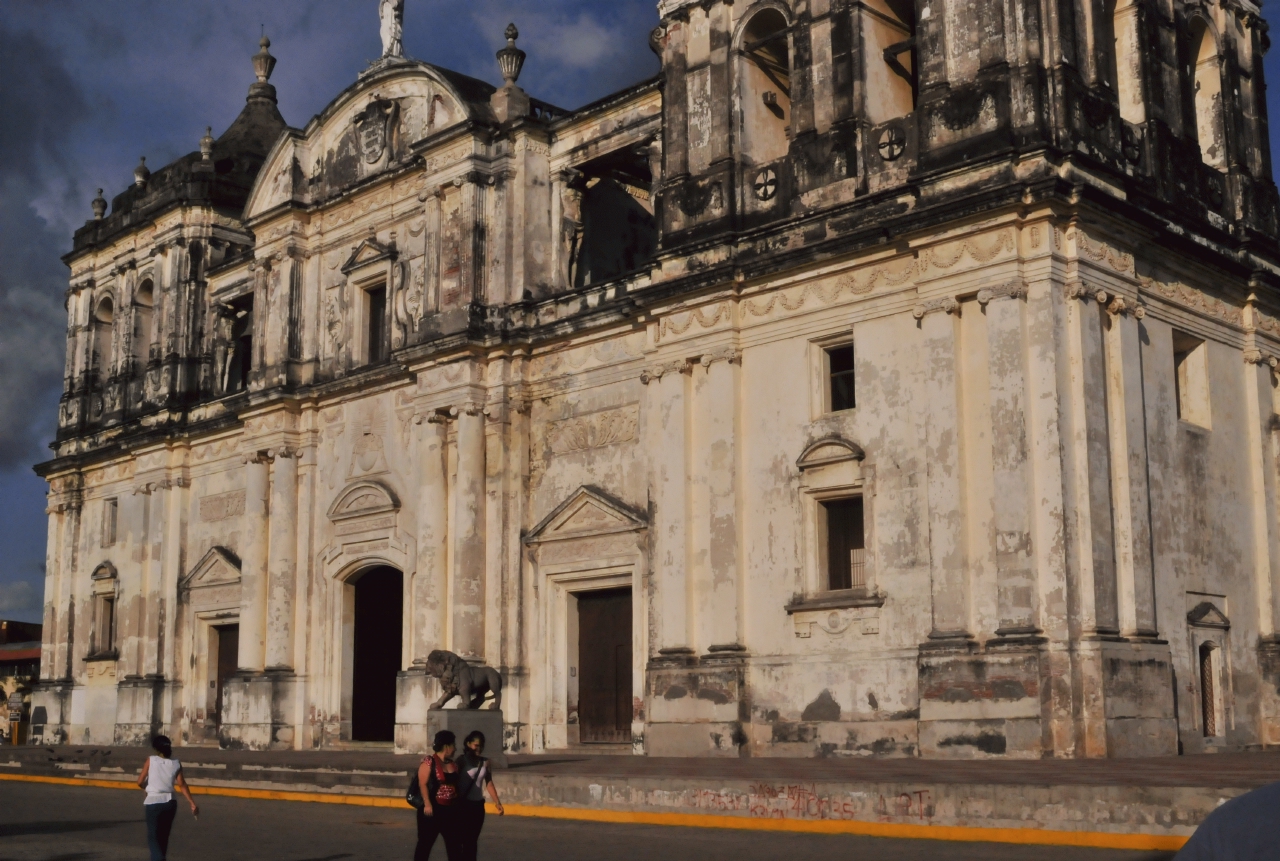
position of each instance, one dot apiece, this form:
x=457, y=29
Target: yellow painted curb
x=956, y=833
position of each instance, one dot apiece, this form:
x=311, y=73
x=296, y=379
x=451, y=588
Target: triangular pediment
x=370, y=250
x=363, y=498
x=588, y=511
x=217, y=567
x=1207, y=615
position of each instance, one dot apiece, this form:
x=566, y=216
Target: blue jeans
x=159, y=824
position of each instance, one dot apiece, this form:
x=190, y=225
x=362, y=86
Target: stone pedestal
x=138, y=710
x=50, y=713
x=462, y=721
x=246, y=712
x=415, y=692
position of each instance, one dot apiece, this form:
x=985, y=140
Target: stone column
x=714, y=519
x=1088, y=464
x=253, y=566
x=50, y=666
x=282, y=569
x=430, y=581
x=153, y=554
x=950, y=586
x=1015, y=561
x=468, y=540
x=665, y=416
x=1131, y=513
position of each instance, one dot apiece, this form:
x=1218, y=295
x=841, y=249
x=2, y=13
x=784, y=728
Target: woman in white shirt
x=160, y=775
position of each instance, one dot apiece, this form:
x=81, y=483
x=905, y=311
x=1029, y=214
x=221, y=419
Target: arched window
x=764, y=87
x=103, y=320
x=143, y=321
x=1127, y=58
x=1210, y=691
x=1207, y=94
x=889, y=36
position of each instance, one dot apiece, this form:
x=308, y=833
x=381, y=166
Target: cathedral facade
x=894, y=377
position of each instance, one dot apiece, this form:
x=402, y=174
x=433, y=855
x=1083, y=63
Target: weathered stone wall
x=1063, y=436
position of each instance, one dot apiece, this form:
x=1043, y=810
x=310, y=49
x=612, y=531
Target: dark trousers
x=159, y=824
x=470, y=824
x=442, y=823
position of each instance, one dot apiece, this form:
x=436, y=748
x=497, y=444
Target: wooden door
x=228, y=656
x=604, y=666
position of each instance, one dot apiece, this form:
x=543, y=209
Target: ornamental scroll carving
x=597, y=430
x=222, y=506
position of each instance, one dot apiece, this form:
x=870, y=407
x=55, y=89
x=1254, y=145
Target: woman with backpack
x=474, y=776
x=437, y=793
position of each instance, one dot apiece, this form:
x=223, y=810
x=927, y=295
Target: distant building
x=19, y=662
x=883, y=378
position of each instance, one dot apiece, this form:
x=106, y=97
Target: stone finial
x=99, y=205
x=263, y=63
x=511, y=58
x=141, y=173
x=206, y=144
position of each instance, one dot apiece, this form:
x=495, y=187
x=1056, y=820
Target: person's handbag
x=413, y=795
x=446, y=792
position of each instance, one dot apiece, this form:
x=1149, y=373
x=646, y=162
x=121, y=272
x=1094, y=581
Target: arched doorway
x=377, y=645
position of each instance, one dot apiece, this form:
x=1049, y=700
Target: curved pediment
x=830, y=450
x=216, y=568
x=362, y=499
x=377, y=124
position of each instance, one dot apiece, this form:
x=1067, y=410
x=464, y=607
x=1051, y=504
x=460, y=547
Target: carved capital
x=1255, y=356
x=260, y=457
x=730, y=355
x=657, y=372
x=946, y=304
x=1011, y=290
x=468, y=409
x=1085, y=292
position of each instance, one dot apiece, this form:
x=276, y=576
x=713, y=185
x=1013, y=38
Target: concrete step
x=1161, y=799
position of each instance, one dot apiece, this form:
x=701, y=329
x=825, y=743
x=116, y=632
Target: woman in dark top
x=437, y=780
x=474, y=776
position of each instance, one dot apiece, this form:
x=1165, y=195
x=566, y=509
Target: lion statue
x=460, y=679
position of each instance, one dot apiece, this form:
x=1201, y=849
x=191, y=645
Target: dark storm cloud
x=42, y=109
x=86, y=86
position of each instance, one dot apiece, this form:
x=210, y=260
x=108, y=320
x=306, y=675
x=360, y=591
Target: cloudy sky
x=86, y=86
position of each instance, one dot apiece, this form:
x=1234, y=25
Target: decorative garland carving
x=698, y=315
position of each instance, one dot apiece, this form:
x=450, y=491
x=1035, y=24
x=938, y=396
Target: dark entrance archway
x=378, y=617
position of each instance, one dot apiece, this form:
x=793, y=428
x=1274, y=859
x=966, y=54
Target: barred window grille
x=846, y=556
x=1208, y=691
x=858, y=568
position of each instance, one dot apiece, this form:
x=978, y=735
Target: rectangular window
x=1191, y=378
x=104, y=625
x=110, y=517
x=376, y=308
x=840, y=378
x=846, y=543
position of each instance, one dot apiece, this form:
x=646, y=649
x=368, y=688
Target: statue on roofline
x=391, y=15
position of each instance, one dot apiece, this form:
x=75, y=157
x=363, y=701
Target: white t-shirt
x=160, y=778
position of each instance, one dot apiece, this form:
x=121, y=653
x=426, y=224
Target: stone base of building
x=258, y=711
x=415, y=692
x=697, y=706
x=1269, y=690
x=50, y=713
x=138, y=709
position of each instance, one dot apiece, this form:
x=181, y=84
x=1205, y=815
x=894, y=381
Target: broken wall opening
x=615, y=232
x=764, y=87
